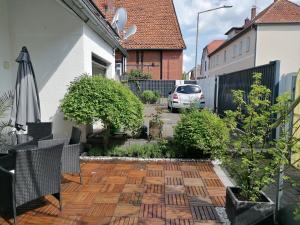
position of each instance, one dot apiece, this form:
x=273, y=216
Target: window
x=205, y=66
x=99, y=67
x=234, y=51
x=119, y=69
x=225, y=56
x=241, y=48
x=248, y=44
x=217, y=59
x=188, y=89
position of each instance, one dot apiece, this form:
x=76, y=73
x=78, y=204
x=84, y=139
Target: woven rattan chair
x=70, y=160
x=29, y=174
x=40, y=131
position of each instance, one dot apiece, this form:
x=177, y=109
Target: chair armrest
x=52, y=142
x=70, y=158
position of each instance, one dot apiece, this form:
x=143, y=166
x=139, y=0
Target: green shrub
x=200, y=133
x=93, y=98
x=152, y=150
x=138, y=75
x=150, y=97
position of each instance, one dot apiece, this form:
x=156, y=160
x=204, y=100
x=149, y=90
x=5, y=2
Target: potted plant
x=156, y=125
x=254, y=159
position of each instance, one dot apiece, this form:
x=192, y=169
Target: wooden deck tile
x=124, y=221
x=132, y=193
x=155, y=173
x=134, y=198
x=101, y=210
x=155, y=188
x=153, y=211
x=213, y=183
x=179, y=222
x=204, y=213
x=176, y=199
x=152, y=198
x=178, y=212
x=174, y=189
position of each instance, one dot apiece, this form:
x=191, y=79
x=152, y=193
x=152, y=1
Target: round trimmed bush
x=150, y=97
x=93, y=98
x=200, y=134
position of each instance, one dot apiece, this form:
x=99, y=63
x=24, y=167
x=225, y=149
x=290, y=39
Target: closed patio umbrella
x=26, y=104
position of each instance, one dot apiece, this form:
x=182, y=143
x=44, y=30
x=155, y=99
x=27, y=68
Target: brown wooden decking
x=119, y=193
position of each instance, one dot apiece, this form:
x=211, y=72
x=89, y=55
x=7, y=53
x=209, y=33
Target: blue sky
x=212, y=25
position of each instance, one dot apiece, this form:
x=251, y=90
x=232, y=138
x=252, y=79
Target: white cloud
x=212, y=25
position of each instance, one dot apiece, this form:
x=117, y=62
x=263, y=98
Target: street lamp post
x=197, y=35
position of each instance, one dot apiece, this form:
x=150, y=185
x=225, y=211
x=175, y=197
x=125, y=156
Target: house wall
x=93, y=44
x=172, y=64
x=150, y=62
x=234, y=62
x=280, y=42
x=204, y=72
x=60, y=46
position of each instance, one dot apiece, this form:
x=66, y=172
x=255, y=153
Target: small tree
x=255, y=160
x=93, y=98
x=138, y=75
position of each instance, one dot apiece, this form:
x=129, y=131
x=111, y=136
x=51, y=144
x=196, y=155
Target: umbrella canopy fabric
x=26, y=104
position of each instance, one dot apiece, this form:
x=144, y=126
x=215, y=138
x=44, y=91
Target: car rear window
x=188, y=89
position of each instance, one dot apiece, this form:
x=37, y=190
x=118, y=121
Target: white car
x=185, y=96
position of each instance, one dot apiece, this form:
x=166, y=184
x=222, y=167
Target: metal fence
x=242, y=80
x=161, y=86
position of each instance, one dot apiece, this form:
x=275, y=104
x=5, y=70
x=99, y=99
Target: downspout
x=161, y=64
x=255, y=49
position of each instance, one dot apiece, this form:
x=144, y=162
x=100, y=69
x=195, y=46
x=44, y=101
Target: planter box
x=247, y=212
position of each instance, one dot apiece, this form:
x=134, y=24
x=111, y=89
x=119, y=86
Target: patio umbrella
x=26, y=104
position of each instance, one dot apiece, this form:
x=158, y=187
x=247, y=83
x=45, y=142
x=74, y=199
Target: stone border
x=109, y=158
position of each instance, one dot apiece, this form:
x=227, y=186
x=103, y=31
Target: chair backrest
x=37, y=173
x=75, y=136
x=39, y=130
x=48, y=143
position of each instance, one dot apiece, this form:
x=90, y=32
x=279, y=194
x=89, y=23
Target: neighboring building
x=211, y=47
x=192, y=73
x=274, y=34
x=157, y=47
x=64, y=38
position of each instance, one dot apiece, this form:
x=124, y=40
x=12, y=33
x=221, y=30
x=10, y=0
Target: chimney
x=253, y=12
x=247, y=22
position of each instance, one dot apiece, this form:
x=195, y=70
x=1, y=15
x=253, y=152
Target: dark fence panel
x=242, y=80
x=161, y=86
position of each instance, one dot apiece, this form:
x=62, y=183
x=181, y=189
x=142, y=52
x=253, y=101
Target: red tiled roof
x=212, y=46
x=156, y=21
x=280, y=11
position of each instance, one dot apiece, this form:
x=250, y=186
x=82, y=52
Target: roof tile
x=156, y=21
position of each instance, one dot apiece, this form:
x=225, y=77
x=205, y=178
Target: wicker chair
x=40, y=131
x=29, y=174
x=70, y=156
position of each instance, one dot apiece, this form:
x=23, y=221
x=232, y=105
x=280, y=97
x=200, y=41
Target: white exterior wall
x=94, y=44
x=60, y=45
x=219, y=66
x=280, y=42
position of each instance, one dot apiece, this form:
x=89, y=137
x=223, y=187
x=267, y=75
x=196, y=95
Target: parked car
x=185, y=96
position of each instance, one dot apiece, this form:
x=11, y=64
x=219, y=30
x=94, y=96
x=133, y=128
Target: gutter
x=88, y=12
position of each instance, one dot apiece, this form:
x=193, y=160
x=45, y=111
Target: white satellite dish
x=120, y=19
x=131, y=31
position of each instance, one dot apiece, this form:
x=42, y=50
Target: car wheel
x=173, y=110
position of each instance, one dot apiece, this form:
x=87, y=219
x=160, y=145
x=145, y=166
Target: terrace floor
x=133, y=193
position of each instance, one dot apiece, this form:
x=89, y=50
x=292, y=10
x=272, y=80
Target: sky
x=212, y=25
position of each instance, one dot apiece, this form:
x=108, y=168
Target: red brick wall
x=172, y=63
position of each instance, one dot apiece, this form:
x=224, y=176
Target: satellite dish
x=120, y=19
x=131, y=31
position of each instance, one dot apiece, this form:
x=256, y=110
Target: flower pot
x=247, y=212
